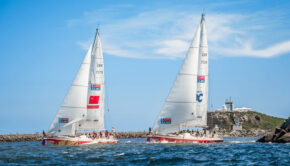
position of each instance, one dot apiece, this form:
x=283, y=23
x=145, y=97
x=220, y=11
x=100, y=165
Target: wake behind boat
x=83, y=108
x=186, y=104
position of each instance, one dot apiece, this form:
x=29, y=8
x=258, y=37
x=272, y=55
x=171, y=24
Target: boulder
x=280, y=135
x=284, y=139
x=267, y=138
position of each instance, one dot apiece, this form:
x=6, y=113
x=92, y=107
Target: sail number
x=199, y=96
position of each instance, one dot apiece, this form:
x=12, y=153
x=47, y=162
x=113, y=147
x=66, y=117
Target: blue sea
x=233, y=151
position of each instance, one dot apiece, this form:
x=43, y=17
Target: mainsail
x=83, y=106
x=186, y=104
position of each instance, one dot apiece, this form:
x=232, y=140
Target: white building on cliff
x=229, y=107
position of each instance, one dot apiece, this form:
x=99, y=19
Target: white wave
x=121, y=154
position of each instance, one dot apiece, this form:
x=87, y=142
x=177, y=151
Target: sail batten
x=180, y=101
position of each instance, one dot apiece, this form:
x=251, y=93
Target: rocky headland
x=280, y=135
x=250, y=121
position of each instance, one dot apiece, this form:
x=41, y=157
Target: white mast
x=185, y=104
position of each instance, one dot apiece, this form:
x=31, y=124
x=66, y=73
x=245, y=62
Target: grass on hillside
x=265, y=122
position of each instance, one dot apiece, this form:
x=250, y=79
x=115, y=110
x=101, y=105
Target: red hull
x=56, y=141
x=164, y=139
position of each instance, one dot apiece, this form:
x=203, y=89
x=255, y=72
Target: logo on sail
x=95, y=87
x=63, y=120
x=199, y=96
x=165, y=121
x=93, y=100
x=200, y=79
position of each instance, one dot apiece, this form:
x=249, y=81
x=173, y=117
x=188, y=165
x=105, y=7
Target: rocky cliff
x=249, y=120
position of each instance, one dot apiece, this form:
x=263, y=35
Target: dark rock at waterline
x=38, y=137
x=281, y=135
x=20, y=137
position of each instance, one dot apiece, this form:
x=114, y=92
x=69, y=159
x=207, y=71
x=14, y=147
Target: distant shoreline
x=254, y=124
x=38, y=137
x=132, y=134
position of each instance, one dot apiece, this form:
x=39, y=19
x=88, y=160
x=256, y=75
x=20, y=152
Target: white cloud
x=113, y=50
x=166, y=34
x=172, y=48
x=247, y=50
x=83, y=45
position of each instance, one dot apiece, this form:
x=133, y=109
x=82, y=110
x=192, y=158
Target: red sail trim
x=93, y=106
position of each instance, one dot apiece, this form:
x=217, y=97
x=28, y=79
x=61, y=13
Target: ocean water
x=233, y=151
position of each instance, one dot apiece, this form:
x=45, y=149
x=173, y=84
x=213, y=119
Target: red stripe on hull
x=70, y=142
x=160, y=139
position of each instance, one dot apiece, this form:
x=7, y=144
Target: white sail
x=96, y=90
x=180, y=104
x=73, y=108
x=186, y=104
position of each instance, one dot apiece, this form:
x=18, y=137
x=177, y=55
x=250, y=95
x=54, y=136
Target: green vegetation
x=227, y=125
x=247, y=125
x=249, y=120
x=269, y=122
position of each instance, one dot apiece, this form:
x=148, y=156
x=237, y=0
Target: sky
x=43, y=43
